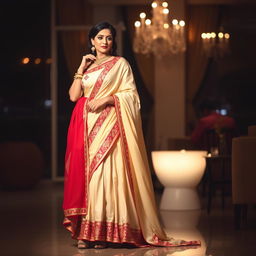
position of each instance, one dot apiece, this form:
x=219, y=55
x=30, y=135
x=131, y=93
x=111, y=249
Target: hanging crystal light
x=159, y=36
x=215, y=45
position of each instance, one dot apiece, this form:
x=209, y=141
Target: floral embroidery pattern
x=107, y=144
x=124, y=141
x=107, y=67
x=110, y=231
x=173, y=242
x=75, y=211
x=98, y=124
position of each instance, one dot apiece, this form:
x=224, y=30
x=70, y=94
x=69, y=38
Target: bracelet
x=78, y=76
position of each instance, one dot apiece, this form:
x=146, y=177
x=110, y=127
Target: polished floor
x=31, y=225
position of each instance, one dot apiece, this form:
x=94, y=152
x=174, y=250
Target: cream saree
x=108, y=194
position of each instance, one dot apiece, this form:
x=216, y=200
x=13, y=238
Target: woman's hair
x=96, y=29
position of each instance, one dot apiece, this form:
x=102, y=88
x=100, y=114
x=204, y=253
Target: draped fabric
x=70, y=14
x=108, y=194
x=202, y=19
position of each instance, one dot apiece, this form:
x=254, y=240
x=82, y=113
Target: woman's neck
x=101, y=56
x=102, y=59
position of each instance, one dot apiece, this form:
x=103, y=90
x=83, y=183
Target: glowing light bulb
x=175, y=22
x=166, y=25
x=203, y=35
x=165, y=4
x=25, y=60
x=38, y=61
x=227, y=36
x=154, y=5
x=137, y=24
x=220, y=35
x=143, y=15
x=147, y=22
x=182, y=23
x=165, y=11
x=213, y=35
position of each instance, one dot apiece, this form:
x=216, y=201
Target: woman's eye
x=108, y=38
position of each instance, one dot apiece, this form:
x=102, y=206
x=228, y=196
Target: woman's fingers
x=89, y=58
x=95, y=105
x=90, y=106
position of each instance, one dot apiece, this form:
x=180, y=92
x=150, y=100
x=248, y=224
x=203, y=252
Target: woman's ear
x=92, y=42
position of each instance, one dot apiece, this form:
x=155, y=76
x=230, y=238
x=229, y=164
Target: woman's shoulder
x=123, y=61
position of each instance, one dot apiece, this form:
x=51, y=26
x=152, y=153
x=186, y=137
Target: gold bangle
x=78, y=76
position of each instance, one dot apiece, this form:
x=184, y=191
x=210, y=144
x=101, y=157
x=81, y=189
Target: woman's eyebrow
x=104, y=35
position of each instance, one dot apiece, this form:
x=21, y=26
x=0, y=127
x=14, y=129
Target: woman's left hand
x=96, y=105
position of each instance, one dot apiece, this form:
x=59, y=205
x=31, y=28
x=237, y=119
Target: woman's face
x=103, y=41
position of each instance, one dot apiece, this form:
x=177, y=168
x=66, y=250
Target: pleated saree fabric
x=108, y=192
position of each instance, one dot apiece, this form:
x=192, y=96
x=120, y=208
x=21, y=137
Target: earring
x=93, y=49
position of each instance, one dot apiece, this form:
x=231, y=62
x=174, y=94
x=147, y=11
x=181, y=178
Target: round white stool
x=180, y=172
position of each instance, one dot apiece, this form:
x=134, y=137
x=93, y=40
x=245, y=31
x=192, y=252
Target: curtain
x=71, y=46
x=74, y=43
x=202, y=18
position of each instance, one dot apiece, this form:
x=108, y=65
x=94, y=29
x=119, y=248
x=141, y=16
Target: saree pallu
x=108, y=193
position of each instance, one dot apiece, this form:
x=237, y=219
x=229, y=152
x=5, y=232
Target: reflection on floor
x=31, y=225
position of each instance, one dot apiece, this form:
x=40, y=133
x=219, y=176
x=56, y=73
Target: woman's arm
x=75, y=90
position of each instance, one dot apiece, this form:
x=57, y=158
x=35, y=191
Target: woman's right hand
x=87, y=60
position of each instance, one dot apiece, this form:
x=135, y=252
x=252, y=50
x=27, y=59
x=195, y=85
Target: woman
x=108, y=195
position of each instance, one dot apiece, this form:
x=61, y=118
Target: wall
x=170, y=91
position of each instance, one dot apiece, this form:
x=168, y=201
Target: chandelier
x=159, y=36
x=216, y=45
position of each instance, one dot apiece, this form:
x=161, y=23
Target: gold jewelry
x=78, y=76
x=93, y=49
x=101, y=60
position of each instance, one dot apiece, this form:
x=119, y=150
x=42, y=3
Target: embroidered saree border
x=86, y=157
x=98, y=124
x=99, y=66
x=104, y=149
x=109, y=231
x=106, y=231
x=74, y=211
x=124, y=142
x=102, y=76
x=119, y=233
